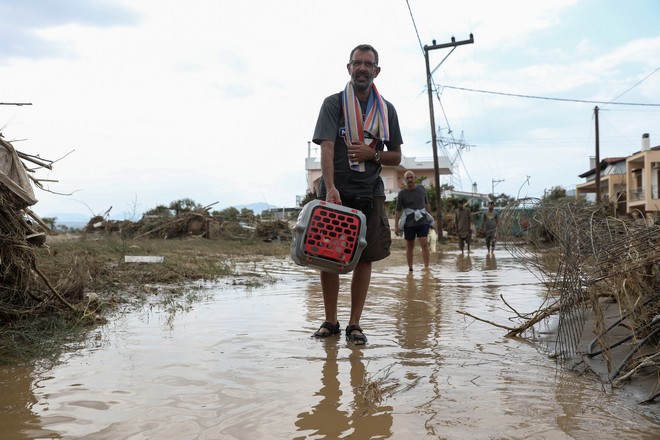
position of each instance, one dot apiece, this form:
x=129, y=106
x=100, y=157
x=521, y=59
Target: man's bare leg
x=410, y=251
x=426, y=253
x=359, y=289
x=330, y=287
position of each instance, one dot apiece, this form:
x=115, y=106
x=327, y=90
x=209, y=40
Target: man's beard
x=363, y=84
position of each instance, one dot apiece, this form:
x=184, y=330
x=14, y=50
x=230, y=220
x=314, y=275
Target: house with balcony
x=631, y=183
x=642, y=178
x=392, y=175
x=612, y=182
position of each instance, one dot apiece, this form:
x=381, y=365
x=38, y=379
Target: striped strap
x=375, y=121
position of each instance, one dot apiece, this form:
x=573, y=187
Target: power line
x=584, y=101
x=435, y=88
x=421, y=46
x=638, y=83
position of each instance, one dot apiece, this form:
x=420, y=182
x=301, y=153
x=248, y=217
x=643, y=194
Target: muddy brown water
x=240, y=364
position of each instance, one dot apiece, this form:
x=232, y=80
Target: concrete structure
x=631, y=183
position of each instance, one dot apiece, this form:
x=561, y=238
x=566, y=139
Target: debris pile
x=605, y=270
x=197, y=223
x=188, y=223
x=20, y=232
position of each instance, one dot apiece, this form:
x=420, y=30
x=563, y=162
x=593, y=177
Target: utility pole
x=597, y=158
x=493, y=183
x=434, y=140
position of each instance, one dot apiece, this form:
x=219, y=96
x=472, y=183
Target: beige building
x=392, y=176
x=631, y=183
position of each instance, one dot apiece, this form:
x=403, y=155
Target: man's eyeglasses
x=367, y=64
x=410, y=178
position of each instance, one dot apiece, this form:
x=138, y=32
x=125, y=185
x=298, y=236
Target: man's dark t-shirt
x=412, y=199
x=330, y=126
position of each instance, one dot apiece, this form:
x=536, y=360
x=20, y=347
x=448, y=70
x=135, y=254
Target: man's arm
x=391, y=156
x=328, y=171
x=397, y=218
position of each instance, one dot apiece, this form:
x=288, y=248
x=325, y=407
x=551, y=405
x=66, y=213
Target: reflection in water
x=328, y=420
x=463, y=263
x=491, y=262
x=419, y=309
x=326, y=417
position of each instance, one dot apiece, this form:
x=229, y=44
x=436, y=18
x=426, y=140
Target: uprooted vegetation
x=194, y=223
x=603, y=275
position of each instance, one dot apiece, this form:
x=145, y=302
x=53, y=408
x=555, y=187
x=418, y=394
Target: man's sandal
x=355, y=338
x=333, y=329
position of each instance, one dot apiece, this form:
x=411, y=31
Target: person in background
x=353, y=129
x=463, y=225
x=489, y=223
x=416, y=219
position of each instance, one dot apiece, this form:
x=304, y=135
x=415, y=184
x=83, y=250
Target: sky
x=144, y=102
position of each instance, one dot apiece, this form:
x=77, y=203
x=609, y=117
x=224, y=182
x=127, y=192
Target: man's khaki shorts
x=379, y=236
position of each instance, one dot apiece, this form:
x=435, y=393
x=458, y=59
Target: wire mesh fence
x=591, y=259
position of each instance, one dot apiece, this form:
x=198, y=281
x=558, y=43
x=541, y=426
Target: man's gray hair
x=364, y=48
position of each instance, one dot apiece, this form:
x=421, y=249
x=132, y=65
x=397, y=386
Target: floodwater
x=239, y=363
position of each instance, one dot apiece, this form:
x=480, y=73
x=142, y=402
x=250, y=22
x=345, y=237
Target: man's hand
x=333, y=196
x=360, y=152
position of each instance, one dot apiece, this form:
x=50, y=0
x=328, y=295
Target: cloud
x=217, y=101
x=22, y=24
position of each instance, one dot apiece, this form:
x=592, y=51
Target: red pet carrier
x=328, y=237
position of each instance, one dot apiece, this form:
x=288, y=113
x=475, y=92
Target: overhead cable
x=465, y=89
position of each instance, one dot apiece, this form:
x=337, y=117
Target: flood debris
x=24, y=288
x=196, y=223
x=603, y=278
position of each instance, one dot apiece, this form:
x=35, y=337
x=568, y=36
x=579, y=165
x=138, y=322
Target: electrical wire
x=638, y=83
x=584, y=101
x=421, y=46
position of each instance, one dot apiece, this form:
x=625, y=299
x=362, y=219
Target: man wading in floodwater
x=353, y=128
x=416, y=219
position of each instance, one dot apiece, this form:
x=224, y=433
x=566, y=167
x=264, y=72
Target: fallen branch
x=171, y=222
x=511, y=308
x=179, y=219
x=50, y=286
x=650, y=361
x=651, y=399
x=37, y=219
x=35, y=160
x=540, y=316
x=483, y=320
